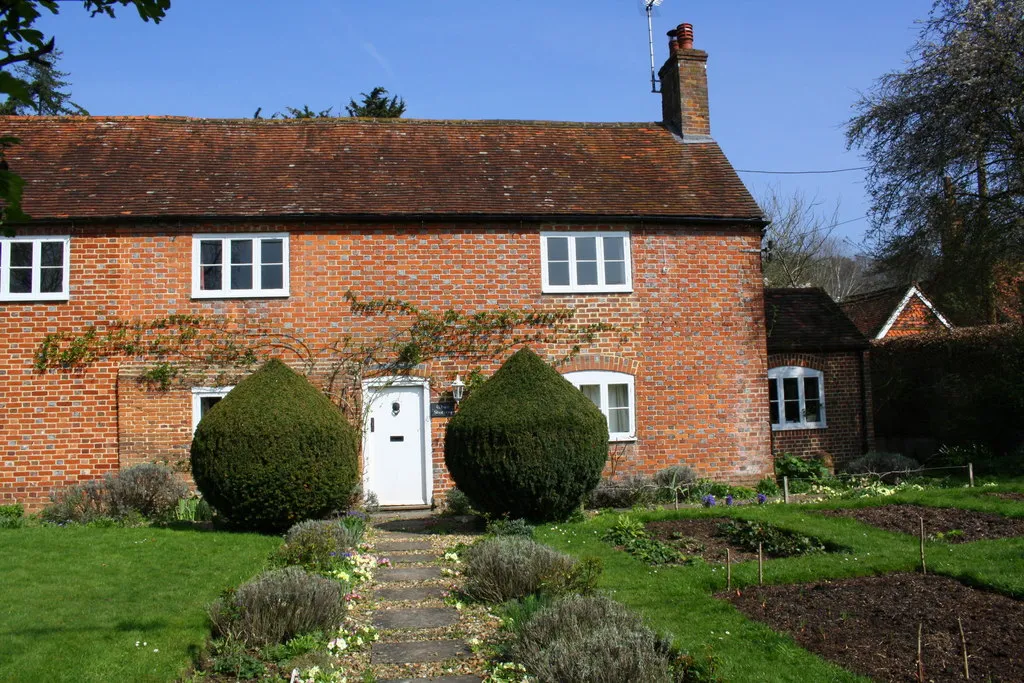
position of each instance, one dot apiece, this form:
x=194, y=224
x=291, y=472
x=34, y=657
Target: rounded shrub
x=275, y=451
x=150, y=489
x=504, y=568
x=527, y=444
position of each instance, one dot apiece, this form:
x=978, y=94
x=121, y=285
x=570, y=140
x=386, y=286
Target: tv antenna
x=649, y=6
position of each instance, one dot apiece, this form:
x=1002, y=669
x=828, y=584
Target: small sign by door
x=442, y=409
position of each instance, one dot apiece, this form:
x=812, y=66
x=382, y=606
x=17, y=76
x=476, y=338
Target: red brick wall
x=915, y=318
x=849, y=425
x=691, y=332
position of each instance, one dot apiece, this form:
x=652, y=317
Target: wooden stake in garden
x=728, y=569
x=963, y=642
x=760, y=564
x=785, y=490
x=920, y=662
x=924, y=568
x=970, y=473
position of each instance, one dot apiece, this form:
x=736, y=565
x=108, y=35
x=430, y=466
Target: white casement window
x=236, y=265
x=613, y=393
x=796, y=398
x=34, y=268
x=204, y=398
x=585, y=262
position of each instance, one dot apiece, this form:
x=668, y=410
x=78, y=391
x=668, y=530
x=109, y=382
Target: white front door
x=396, y=446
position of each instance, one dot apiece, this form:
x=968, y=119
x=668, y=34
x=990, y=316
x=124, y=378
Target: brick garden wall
x=849, y=425
x=692, y=333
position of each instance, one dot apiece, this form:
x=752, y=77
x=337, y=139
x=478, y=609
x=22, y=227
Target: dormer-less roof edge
x=751, y=222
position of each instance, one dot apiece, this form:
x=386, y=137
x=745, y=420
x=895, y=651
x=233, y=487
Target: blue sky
x=782, y=75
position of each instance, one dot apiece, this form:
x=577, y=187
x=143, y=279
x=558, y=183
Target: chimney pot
x=685, y=33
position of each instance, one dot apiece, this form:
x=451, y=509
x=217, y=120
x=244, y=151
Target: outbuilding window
x=204, y=398
x=796, y=398
x=583, y=262
x=613, y=393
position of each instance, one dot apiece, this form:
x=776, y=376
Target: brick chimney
x=684, y=87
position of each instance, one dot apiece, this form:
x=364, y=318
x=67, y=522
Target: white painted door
x=397, y=458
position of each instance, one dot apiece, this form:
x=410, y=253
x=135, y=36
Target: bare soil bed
x=700, y=538
x=869, y=625
x=974, y=526
x=1008, y=496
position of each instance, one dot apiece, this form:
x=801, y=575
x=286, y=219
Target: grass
x=679, y=600
x=76, y=600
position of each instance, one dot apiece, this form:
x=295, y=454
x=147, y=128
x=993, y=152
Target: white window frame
x=225, y=292
x=780, y=373
x=35, y=295
x=603, y=378
x=572, y=287
x=198, y=394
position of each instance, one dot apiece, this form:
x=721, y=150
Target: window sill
x=34, y=298
x=602, y=290
x=799, y=427
x=622, y=439
x=240, y=295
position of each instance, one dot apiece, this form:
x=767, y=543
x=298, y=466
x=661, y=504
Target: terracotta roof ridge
x=340, y=120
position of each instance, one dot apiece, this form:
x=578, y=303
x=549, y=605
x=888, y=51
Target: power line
x=852, y=220
x=835, y=170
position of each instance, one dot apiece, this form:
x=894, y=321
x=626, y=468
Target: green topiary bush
x=527, y=444
x=275, y=451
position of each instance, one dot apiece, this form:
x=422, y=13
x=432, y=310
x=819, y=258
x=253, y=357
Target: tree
x=376, y=105
x=21, y=43
x=44, y=85
x=804, y=251
x=945, y=140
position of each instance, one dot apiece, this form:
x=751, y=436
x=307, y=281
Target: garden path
x=421, y=637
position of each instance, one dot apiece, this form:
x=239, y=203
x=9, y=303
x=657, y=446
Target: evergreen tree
x=46, y=96
x=376, y=105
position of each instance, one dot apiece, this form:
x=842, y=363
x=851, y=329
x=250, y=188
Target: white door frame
x=368, y=387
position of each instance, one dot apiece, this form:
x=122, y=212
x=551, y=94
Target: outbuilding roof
x=164, y=167
x=807, y=319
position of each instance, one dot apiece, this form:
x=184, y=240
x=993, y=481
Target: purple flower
x=347, y=555
x=761, y=499
x=728, y=499
x=708, y=501
x=332, y=554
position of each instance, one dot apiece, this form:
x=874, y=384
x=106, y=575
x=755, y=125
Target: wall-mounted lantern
x=458, y=388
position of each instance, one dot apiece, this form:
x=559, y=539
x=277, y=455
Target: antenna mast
x=649, y=6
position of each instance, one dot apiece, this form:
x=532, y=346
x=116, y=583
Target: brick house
x=819, y=377
x=643, y=226
x=894, y=312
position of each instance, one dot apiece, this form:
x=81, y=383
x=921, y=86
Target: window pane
x=241, y=277
x=271, y=251
x=593, y=392
x=618, y=420
x=613, y=250
x=774, y=410
x=615, y=273
x=51, y=280
x=207, y=402
x=810, y=388
x=20, y=280
x=241, y=252
x=618, y=396
x=792, y=411
x=773, y=390
x=586, y=248
x=558, y=273
x=21, y=254
x=558, y=249
x=212, y=277
x=812, y=411
x=210, y=251
x=586, y=273
x=52, y=254
x=272, y=277
x=790, y=388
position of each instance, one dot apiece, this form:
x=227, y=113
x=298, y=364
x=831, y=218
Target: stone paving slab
x=417, y=617
x=417, y=652
x=446, y=679
x=410, y=558
x=414, y=593
x=408, y=574
x=401, y=546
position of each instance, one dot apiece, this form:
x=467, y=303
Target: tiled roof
x=808, y=320
x=103, y=167
x=870, y=311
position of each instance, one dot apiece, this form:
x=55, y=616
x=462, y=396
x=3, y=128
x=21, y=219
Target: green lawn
x=76, y=600
x=679, y=600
